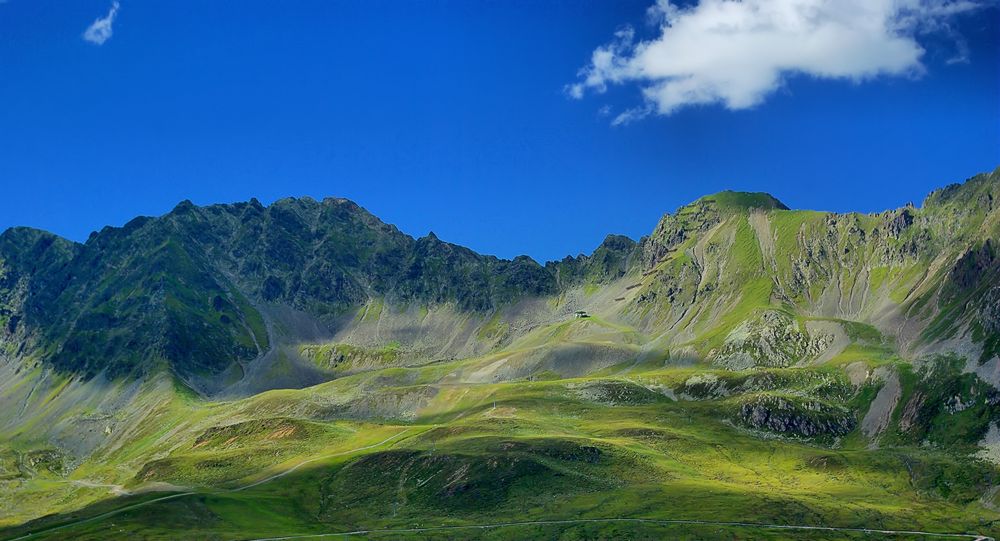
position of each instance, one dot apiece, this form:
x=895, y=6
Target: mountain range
x=743, y=363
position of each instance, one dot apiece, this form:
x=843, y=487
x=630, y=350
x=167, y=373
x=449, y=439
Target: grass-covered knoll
x=222, y=454
x=729, y=199
x=347, y=358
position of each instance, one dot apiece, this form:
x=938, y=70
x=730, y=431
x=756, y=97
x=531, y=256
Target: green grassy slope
x=655, y=442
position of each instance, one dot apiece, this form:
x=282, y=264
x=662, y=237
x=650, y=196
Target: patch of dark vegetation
x=968, y=295
x=486, y=475
x=9, y=465
x=862, y=332
x=951, y=477
x=157, y=470
x=216, y=468
x=986, y=330
x=180, y=518
x=45, y=460
x=973, y=265
x=615, y=393
x=437, y=481
x=945, y=406
x=794, y=416
x=827, y=462
x=820, y=384
x=26, y=464
x=644, y=434
x=558, y=449
x=333, y=356
x=707, y=386
x=252, y=432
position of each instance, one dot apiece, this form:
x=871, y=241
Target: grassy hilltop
x=744, y=372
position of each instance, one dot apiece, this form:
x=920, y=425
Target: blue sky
x=460, y=117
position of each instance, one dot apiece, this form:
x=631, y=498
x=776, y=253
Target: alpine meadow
x=297, y=368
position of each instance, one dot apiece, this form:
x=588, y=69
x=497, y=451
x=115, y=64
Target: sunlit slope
x=926, y=276
x=394, y=448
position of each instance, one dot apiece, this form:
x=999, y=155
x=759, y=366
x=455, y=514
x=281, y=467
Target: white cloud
x=736, y=53
x=100, y=30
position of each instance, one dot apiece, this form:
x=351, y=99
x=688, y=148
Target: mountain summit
x=730, y=200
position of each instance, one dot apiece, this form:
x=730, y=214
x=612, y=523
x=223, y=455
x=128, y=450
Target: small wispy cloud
x=737, y=53
x=100, y=31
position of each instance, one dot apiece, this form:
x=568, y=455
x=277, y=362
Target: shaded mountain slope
x=183, y=288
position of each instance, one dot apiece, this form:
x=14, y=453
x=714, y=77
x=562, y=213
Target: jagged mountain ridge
x=920, y=275
x=181, y=283
x=191, y=289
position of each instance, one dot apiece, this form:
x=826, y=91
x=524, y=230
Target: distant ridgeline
x=202, y=290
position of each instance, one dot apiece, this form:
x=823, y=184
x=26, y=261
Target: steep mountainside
x=923, y=275
x=184, y=288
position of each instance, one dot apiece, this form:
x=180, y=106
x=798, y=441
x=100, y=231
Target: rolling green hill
x=746, y=371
